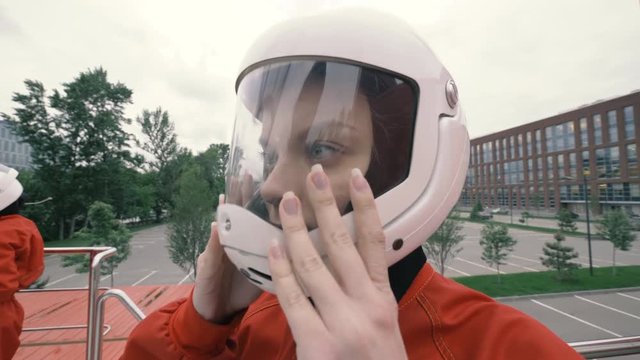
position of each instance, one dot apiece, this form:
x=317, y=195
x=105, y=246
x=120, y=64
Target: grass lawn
x=530, y=283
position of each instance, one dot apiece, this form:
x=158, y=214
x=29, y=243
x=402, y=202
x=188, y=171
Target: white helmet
x=10, y=187
x=347, y=88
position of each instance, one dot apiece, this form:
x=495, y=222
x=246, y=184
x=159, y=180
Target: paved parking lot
x=574, y=317
x=528, y=250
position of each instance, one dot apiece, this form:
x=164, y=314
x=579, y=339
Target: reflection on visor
x=294, y=114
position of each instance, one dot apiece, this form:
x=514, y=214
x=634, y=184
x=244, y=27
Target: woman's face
x=290, y=147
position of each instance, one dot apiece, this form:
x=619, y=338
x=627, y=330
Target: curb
x=554, y=295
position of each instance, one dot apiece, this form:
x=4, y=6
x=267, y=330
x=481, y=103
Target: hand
x=355, y=314
x=220, y=290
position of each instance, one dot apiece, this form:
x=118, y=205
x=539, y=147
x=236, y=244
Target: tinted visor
x=291, y=115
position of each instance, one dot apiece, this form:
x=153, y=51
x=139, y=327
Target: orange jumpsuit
x=439, y=319
x=21, y=263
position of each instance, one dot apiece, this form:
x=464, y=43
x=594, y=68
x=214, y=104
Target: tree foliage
x=566, y=222
x=162, y=146
x=190, y=219
x=558, y=257
x=496, y=245
x=476, y=210
x=616, y=227
x=103, y=230
x=77, y=139
x=442, y=246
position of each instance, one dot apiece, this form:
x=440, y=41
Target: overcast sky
x=514, y=61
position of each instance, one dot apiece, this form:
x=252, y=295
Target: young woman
x=349, y=150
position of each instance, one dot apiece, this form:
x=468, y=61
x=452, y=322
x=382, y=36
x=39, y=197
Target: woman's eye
x=324, y=151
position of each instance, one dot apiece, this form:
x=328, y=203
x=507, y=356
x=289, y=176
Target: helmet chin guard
x=410, y=209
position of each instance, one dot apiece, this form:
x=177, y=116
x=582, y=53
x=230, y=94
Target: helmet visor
x=293, y=114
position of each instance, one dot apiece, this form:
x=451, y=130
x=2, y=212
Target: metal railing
x=96, y=304
x=608, y=347
x=95, y=301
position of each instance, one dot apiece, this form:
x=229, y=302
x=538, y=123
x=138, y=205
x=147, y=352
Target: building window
x=586, y=169
x=512, y=147
x=538, y=142
x=597, y=129
x=629, y=126
x=549, y=168
x=549, y=132
x=539, y=169
x=560, y=162
x=612, y=119
x=520, y=145
x=528, y=143
x=608, y=162
x=632, y=161
x=584, y=135
x=634, y=192
x=572, y=165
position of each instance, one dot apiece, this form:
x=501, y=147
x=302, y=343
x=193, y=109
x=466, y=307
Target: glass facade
x=13, y=152
x=547, y=160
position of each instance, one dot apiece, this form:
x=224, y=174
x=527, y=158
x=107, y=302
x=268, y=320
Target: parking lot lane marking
x=478, y=265
x=522, y=267
x=629, y=296
x=602, y=260
x=458, y=271
x=575, y=318
x=607, y=307
x=59, y=280
x=144, y=278
x=186, y=277
x=526, y=259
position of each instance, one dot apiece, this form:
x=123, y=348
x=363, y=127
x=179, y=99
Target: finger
x=301, y=316
x=343, y=255
x=307, y=263
x=371, y=239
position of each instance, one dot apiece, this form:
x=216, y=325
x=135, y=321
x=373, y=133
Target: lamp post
x=586, y=205
x=586, y=208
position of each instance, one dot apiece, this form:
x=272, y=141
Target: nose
x=287, y=175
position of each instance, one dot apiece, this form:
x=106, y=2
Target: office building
x=545, y=164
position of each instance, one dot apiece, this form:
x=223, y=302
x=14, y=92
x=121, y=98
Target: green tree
x=476, y=210
x=190, y=219
x=566, y=222
x=213, y=163
x=162, y=146
x=524, y=217
x=496, y=245
x=616, y=227
x=103, y=230
x=536, y=201
x=558, y=257
x=442, y=246
x=77, y=139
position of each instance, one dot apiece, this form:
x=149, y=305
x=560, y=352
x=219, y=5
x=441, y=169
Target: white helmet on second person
x=350, y=88
x=10, y=187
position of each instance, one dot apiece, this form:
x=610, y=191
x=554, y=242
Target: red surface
x=70, y=308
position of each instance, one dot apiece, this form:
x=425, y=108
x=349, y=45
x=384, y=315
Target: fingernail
x=358, y=181
x=275, y=250
x=290, y=203
x=318, y=177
